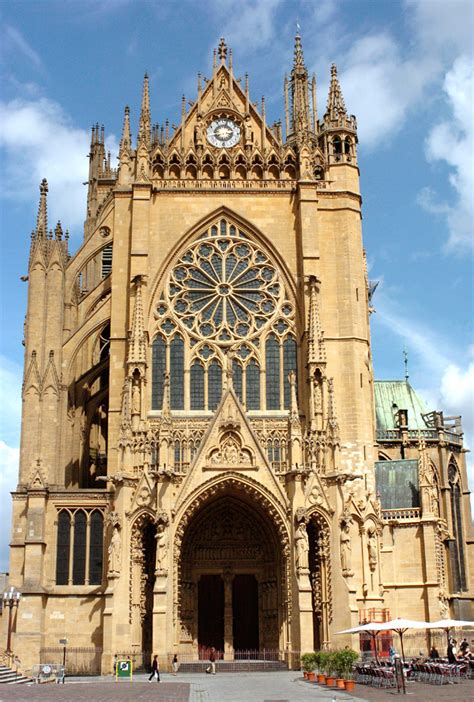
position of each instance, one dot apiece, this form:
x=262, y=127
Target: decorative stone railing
x=408, y=514
x=449, y=437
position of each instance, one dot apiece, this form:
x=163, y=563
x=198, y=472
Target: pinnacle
x=42, y=219
x=335, y=98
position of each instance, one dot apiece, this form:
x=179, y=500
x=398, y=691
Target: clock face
x=223, y=133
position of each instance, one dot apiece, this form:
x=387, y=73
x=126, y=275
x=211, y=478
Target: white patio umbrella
x=448, y=624
x=401, y=626
x=372, y=628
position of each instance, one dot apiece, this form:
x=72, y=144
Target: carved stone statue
x=115, y=553
x=302, y=547
x=136, y=398
x=346, y=548
x=198, y=132
x=372, y=548
x=248, y=134
x=161, y=547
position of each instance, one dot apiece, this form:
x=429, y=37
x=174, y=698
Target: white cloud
x=52, y=148
x=438, y=374
x=9, y=458
x=14, y=42
x=452, y=141
x=248, y=25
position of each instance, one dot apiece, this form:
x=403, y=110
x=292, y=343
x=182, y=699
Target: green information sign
x=124, y=669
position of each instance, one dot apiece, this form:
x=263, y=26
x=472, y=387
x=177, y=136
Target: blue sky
x=406, y=73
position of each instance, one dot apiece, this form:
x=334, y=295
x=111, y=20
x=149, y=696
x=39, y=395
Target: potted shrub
x=329, y=668
x=308, y=665
x=339, y=668
x=347, y=659
x=320, y=658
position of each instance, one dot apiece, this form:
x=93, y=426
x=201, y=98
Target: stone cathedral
x=206, y=458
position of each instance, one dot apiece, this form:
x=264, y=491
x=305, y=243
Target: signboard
x=124, y=669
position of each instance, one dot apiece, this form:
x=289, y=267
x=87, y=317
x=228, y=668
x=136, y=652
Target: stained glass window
x=96, y=548
x=214, y=387
x=79, y=556
x=158, y=372
x=272, y=357
x=177, y=373
x=62, y=550
x=197, y=386
x=252, y=385
x=237, y=378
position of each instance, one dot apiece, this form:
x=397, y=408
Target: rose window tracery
x=224, y=287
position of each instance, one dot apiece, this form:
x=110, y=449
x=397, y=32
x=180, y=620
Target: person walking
x=175, y=664
x=212, y=660
x=155, y=670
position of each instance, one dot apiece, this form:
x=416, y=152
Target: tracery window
x=224, y=310
x=456, y=546
x=79, y=547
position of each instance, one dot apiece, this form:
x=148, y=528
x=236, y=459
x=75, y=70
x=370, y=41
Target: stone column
x=228, y=579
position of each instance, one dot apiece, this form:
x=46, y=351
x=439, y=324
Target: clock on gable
x=223, y=133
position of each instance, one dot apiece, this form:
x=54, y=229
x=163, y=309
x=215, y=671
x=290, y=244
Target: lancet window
x=224, y=311
x=456, y=546
x=79, y=547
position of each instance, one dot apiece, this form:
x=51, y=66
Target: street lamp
x=11, y=599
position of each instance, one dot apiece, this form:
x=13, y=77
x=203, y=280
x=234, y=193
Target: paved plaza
x=286, y=686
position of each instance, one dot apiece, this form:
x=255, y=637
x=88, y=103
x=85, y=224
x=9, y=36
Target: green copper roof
x=393, y=395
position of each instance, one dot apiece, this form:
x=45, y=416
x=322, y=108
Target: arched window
x=237, y=379
x=289, y=364
x=252, y=390
x=347, y=146
x=214, y=388
x=197, y=386
x=63, y=548
x=272, y=357
x=96, y=548
x=337, y=145
x=458, y=565
x=158, y=372
x=79, y=551
x=177, y=373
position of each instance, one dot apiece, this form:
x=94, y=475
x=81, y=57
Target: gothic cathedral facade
x=206, y=459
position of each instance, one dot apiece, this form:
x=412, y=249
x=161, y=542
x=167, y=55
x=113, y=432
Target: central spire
x=144, y=132
x=299, y=122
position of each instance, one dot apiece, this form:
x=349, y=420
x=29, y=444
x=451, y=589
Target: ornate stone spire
x=137, y=336
x=222, y=50
x=336, y=105
x=316, y=350
x=300, y=122
x=144, y=131
x=125, y=149
x=42, y=219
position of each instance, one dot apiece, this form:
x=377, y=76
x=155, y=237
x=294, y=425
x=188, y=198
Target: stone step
x=10, y=677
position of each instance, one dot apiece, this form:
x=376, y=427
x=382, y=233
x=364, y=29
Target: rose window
x=224, y=287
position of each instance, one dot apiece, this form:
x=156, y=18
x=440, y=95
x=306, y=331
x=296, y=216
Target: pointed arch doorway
x=230, y=580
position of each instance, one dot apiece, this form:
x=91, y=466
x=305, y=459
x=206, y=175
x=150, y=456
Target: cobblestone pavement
x=228, y=687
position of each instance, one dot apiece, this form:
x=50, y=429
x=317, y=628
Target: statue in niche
x=115, y=552
x=136, y=397
x=345, y=547
x=198, y=131
x=302, y=548
x=248, y=134
x=372, y=548
x=161, y=547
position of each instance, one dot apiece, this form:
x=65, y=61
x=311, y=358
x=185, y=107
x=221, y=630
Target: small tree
x=346, y=659
x=308, y=662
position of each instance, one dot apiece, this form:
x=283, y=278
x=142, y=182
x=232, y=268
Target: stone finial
x=222, y=50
